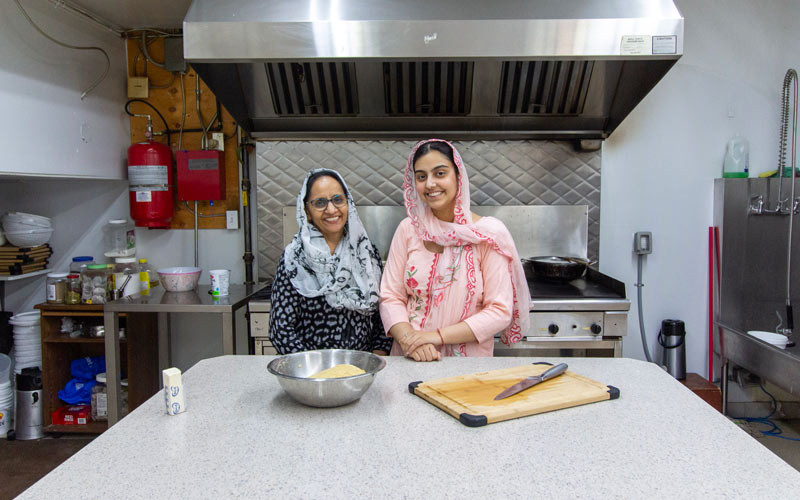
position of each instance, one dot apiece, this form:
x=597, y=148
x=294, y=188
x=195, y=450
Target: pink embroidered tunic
x=408, y=294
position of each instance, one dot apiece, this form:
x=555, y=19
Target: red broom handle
x=710, y=303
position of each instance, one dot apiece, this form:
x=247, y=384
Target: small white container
x=220, y=281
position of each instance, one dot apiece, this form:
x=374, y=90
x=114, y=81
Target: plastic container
x=179, y=279
x=30, y=318
x=5, y=369
x=56, y=288
x=100, y=398
x=94, y=283
x=147, y=275
x=126, y=277
x=78, y=264
x=120, y=238
x=737, y=158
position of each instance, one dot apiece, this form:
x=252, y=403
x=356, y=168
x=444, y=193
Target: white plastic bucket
x=5, y=368
x=29, y=318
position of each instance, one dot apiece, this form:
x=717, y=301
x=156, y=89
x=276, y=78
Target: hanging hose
x=639, y=286
x=70, y=46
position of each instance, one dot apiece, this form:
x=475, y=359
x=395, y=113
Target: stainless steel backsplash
x=501, y=173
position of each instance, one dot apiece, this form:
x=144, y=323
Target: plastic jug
x=737, y=158
x=120, y=238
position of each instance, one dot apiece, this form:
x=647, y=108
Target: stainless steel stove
x=584, y=317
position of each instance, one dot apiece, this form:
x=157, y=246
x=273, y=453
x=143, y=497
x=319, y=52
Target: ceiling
x=138, y=13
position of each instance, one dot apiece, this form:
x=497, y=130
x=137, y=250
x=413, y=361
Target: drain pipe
x=245, y=149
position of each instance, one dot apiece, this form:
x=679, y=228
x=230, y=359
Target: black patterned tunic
x=298, y=323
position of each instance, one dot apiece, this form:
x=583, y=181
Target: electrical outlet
x=219, y=139
x=232, y=219
x=643, y=243
x=138, y=87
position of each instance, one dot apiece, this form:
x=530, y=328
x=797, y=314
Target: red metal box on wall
x=201, y=175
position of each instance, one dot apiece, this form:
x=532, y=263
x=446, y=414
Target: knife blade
x=532, y=380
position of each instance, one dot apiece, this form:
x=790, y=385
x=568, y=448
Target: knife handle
x=554, y=371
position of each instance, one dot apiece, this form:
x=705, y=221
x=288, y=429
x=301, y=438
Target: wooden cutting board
x=470, y=398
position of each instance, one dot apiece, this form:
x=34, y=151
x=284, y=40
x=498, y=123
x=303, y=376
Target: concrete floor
x=25, y=462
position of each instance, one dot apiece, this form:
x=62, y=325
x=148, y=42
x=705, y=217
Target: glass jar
x=100, y=398
x=56, y=288
x=74, y=289
x=78, y=264
x=120, y=238
x=94, y=281
x=126, y=276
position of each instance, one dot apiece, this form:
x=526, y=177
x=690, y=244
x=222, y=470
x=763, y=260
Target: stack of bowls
x=27, y=340
x=26, y=230
x=6, y=395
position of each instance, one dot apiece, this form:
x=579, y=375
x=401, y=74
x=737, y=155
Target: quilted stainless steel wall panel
x=501, y=173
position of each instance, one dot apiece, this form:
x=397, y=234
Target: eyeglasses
x=322, y=203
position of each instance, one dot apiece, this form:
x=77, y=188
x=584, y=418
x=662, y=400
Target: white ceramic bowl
x=29, y=238
x=179, y=279
x=16, y=227
x=31, y=219
x=775, y=339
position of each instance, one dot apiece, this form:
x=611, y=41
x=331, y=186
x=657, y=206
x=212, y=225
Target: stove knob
x=596, y=329
x=553, y=328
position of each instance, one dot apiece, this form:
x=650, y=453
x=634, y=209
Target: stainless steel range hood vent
x=461, y=69
x=544, y=87
x=313, y=88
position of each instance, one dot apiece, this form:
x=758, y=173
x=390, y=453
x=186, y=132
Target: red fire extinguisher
x=151, y=182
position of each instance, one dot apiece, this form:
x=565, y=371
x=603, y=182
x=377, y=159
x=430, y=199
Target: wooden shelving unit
x=138, y=357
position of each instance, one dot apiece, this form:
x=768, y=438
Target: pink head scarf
x=453, y=236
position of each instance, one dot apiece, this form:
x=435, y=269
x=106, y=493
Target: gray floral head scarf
x=350, y=277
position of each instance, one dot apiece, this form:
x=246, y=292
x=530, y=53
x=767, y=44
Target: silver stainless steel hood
x=352, y=69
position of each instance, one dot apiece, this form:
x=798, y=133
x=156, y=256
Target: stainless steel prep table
x=162, y=302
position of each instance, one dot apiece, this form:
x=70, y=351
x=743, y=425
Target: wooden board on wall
x=169, y=102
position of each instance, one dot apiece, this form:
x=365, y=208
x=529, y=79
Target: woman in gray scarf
x=325, y=292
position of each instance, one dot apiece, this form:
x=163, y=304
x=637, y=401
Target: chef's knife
x=533, y=380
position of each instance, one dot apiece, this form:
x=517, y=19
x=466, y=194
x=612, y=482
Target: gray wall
x=500, y=172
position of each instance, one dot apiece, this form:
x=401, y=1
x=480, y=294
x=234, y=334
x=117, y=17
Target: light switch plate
x=232, y=219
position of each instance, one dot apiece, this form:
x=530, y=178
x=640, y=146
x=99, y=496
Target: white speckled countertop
x=243, y=437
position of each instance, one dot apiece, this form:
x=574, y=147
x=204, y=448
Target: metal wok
x=554, y=267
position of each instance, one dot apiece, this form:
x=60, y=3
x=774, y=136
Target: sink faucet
x=785, y=330
x=791, y=76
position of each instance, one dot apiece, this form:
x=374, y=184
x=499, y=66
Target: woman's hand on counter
x=416, y=339
x=426, y=352
x=380, y=353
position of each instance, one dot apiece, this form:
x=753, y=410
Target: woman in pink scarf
x=452, y=279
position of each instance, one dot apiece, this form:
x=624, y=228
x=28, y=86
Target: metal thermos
x=29, y=404
x=672, y=339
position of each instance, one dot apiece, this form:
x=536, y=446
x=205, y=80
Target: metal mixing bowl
x=294, y=371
